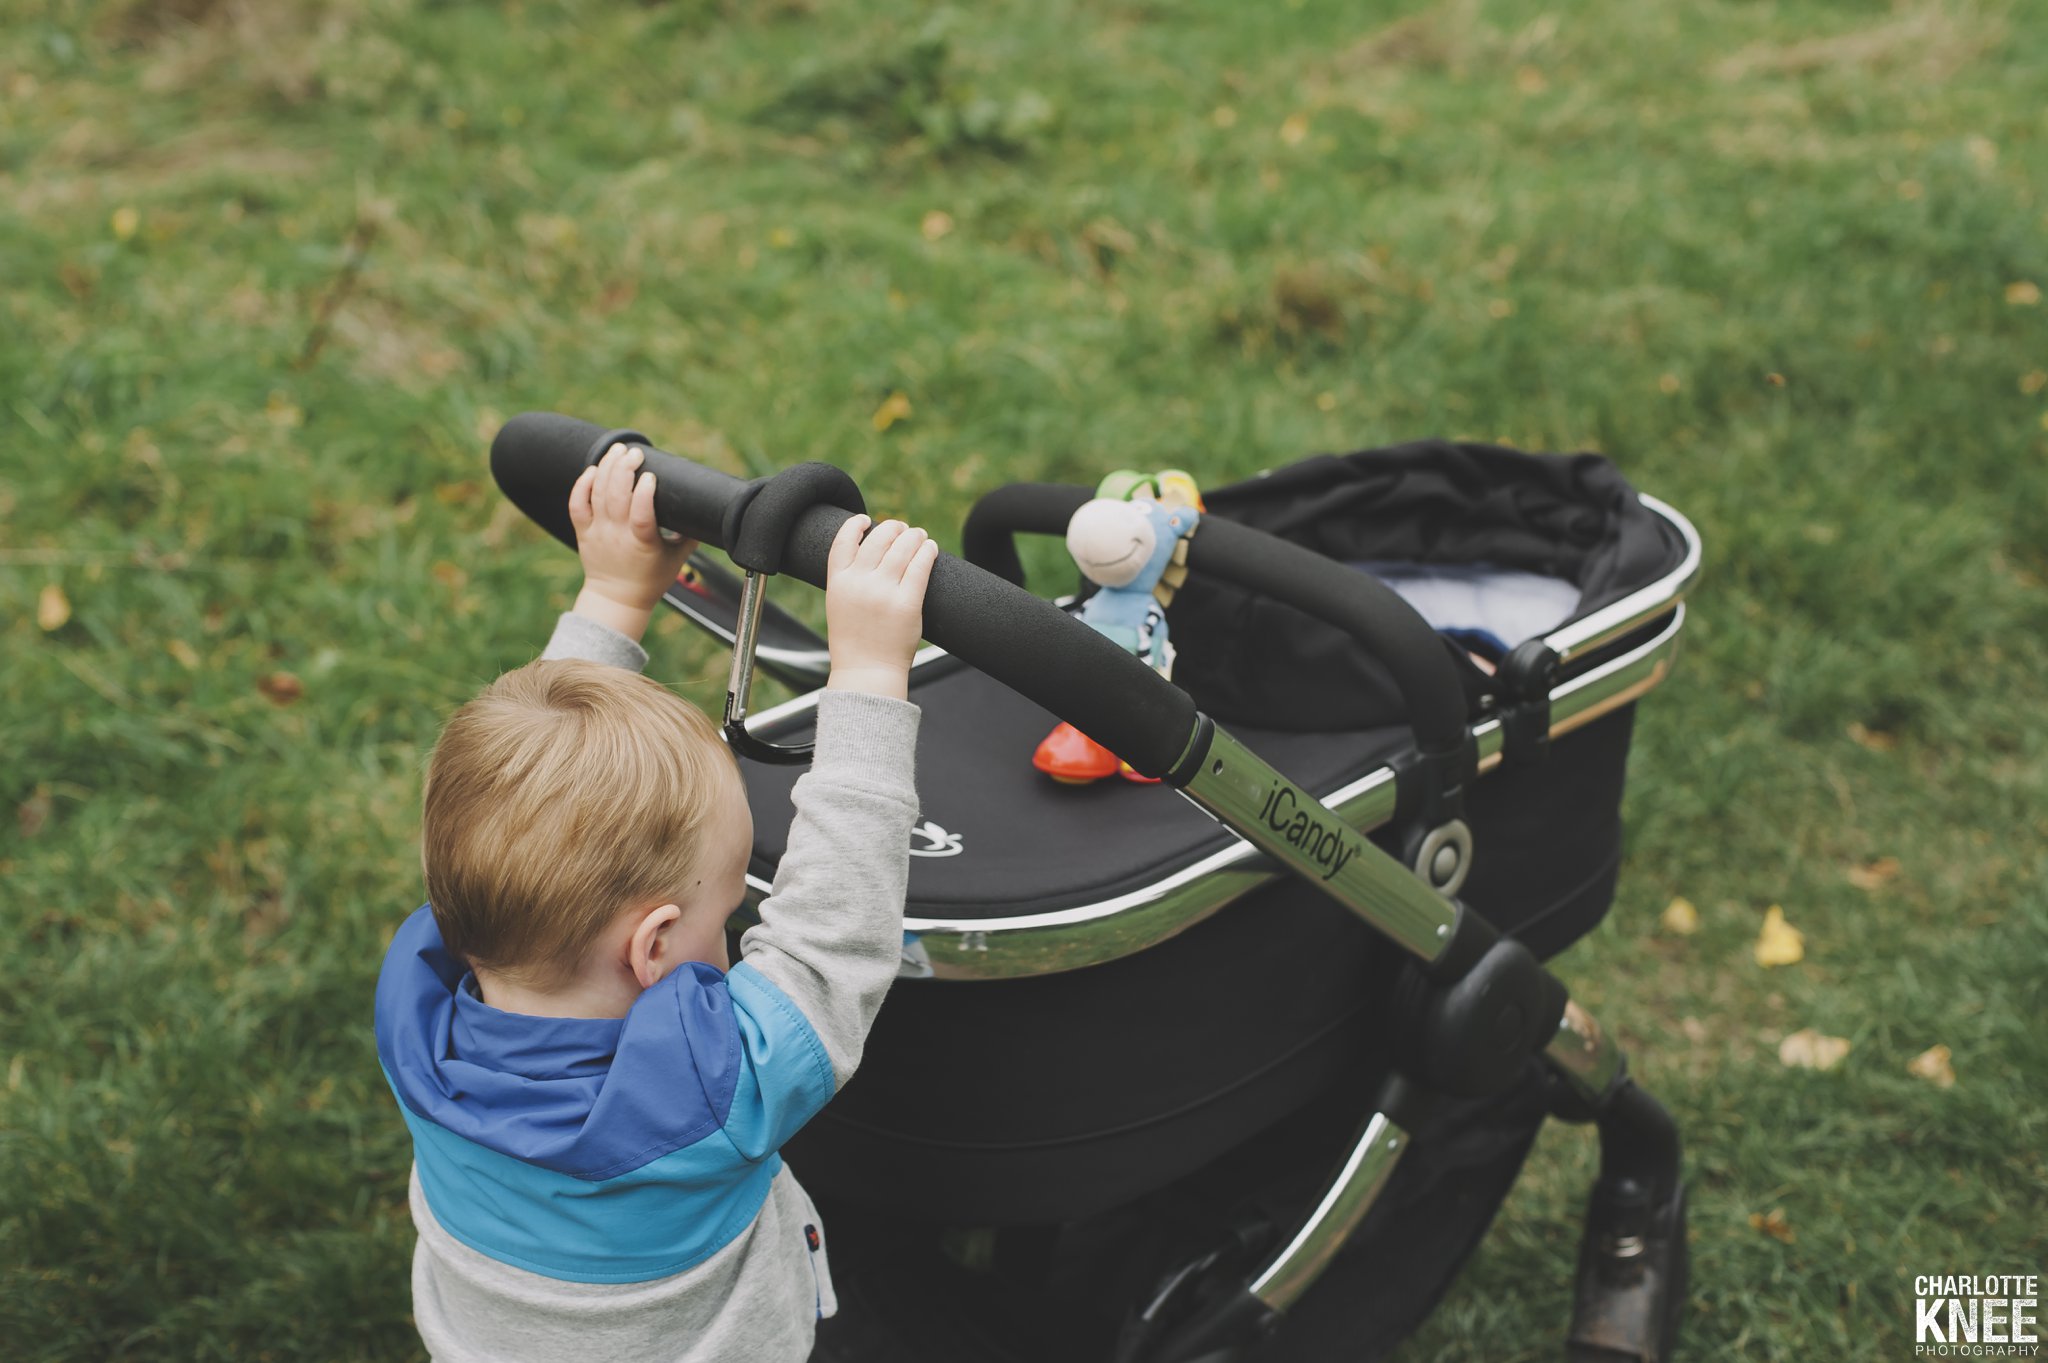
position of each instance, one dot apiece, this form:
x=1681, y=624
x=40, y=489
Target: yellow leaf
x=1933, y=1065
x=1681, y=919
x=2023, y=293
x=1773, y=1224
x=53, y=608
x=187, y=656
x=936, y=224
x=125, y=222
x=1224, y=117
x=1326, y=402
x=1294, y=130
x=1779, y=943
x=894, y=408
x=1807, y=1049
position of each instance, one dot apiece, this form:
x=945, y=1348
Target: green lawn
x=272, y=271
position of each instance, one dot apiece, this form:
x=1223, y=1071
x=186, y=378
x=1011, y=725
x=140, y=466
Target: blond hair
x=562, y=795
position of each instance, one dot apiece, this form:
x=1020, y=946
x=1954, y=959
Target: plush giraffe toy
x=1132, y=542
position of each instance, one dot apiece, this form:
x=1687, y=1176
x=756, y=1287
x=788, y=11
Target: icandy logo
x=1322, y=843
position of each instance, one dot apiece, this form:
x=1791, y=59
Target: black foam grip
x=537, y=457
x=1029, y=645
x=1357, y=603
x=988, y=538
x=757, y=528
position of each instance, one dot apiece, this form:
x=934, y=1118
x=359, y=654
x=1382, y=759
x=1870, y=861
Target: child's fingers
x=900, y=553
x=641, y=517
x=846, y=542
x=618, y=489
x=601, y=481
x=918, y=575
x=579, y=499
x=877, y=542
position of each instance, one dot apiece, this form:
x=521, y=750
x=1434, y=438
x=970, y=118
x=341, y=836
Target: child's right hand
x=875, y=581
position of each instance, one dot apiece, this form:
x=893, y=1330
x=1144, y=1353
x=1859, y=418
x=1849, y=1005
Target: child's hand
x=874, y=604
x=628, y=562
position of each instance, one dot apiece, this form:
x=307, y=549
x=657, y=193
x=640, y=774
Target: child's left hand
x=628, y=561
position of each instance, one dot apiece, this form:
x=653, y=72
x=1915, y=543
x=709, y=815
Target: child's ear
x=650, y=954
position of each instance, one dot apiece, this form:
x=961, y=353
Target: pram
x=1242, y=1075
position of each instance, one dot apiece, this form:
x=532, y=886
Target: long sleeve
x=578, y=636
x=831, y=931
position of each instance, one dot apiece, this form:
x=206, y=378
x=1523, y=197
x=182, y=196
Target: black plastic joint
x=1429, y=792
x=1525, y=677
x=1197, y=753
x=757, y=523
x=1470, y=1036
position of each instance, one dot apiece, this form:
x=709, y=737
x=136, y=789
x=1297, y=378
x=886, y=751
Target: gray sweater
x=830, y=937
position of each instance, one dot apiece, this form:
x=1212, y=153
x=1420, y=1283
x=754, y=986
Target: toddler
x=596, y=1098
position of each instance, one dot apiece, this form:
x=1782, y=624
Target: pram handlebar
x=1414, y=654
x=1028, y=644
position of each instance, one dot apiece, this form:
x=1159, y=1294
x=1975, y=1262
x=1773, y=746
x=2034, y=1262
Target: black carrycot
x=1130, y=1042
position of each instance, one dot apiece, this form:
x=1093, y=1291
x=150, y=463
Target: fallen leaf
x=2033, y=381
x=1530, y=81
x=187, y=656
x=1668, y=384
x=2023, y=293
x=1294, y=130
x=53, y=608
x=894, y=408
x=281, y=687
x=1695, y=1030
x=1877, y=740
x=126, y=220
x=1224, y=117
x=936, y=224
x=1681, y=919
x=1773, y=1224
x=1807, y=1049
x=1779, y=943
x=1933, y=1065
x=1875, y=874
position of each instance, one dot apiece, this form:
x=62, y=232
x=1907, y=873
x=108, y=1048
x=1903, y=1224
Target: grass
x=271, y=274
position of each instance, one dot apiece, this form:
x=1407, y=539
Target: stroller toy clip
x=1243, y=1076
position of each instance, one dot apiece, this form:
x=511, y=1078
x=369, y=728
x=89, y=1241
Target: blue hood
x=587, y=1097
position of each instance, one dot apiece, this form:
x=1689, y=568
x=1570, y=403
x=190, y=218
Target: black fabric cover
x=1059, y=1096
x=1029, y=844
x=1061, y=1295
x=1248, y=659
